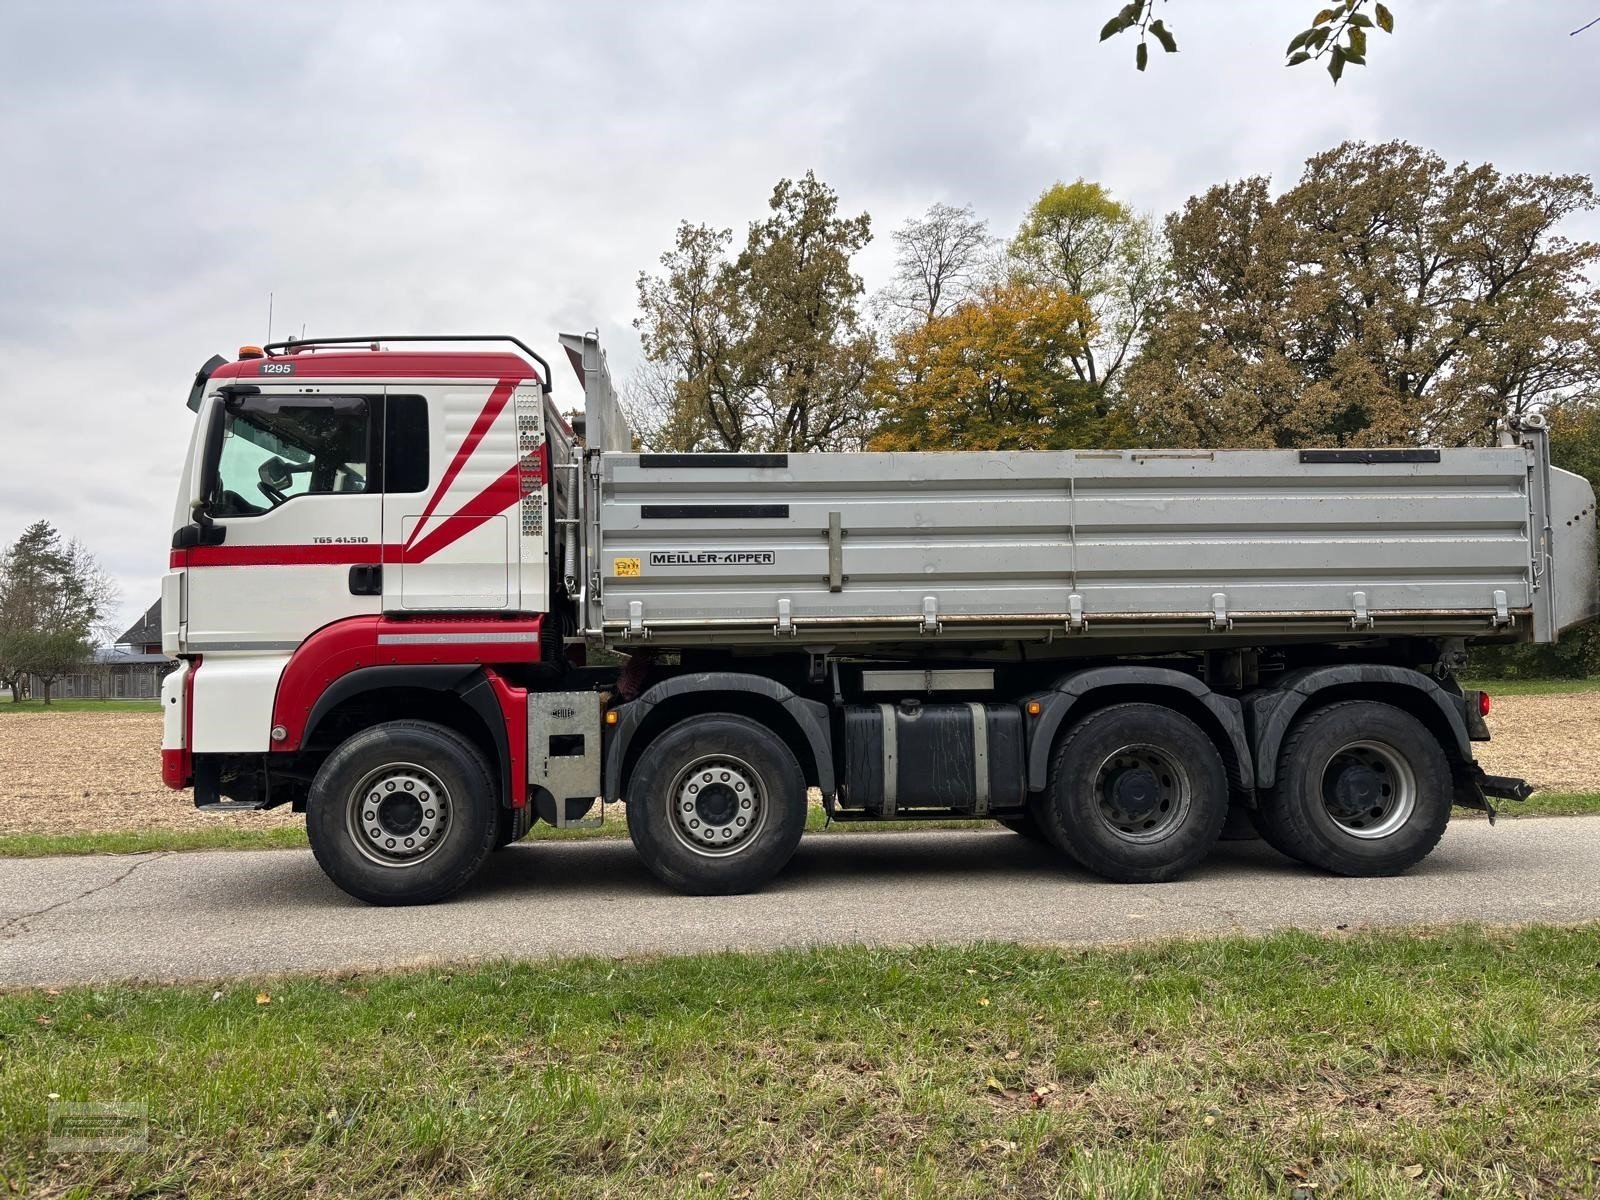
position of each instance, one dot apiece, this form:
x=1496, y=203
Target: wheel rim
x=718, y=805
x=1368, y=789
x=398, y=814
x=1142, y=793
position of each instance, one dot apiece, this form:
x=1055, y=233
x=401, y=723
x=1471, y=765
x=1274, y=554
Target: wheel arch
x=801, y=723
x=461, y=698
x=1271, y=713
x=1075, y=696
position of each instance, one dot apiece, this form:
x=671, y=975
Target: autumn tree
x=765, y=350
x=942, y=259
x=996, y=373
x=1076, y=238
x=54, y=600
x=1386, y=298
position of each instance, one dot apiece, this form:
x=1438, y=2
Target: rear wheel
x=403, y=813
x=716, y=805
x=1138, y=793
x=1363, y=788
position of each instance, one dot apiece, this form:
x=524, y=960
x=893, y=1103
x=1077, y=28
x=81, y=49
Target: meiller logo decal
x=712, y=558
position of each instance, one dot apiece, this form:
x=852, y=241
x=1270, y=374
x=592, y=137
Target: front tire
x=1363, y=788
x=1138, y=794
x=403, y=813
x=716, y=805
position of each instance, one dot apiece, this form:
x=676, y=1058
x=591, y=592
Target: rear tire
x=716, y=805
x=403, y=813
x=1363, y=788
x=1138, y=793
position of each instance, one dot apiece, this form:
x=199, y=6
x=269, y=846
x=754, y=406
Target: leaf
x=1013, y=1055
x=263, y=998
x=1141, y=56
x=1112, y=27
x=1325, y=16
x=1358, y=41
x=1360, y=60
x=983, y=1001
x=1414, y=1171
x=1164, y=36
x=1318, y=38
x=1300, y=39
x=1336, y=63
x=994, y=1085
x=1296, y=59
x=1385, y=19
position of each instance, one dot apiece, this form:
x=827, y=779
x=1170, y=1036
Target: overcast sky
x=400, y=167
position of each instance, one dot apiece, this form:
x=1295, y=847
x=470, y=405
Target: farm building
x=132, y=669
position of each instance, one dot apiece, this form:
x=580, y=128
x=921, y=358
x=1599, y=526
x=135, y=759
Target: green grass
x=1530, y=687
x=37, y=845
x=293, y=837
x=1456, y=1063
x=8, y=705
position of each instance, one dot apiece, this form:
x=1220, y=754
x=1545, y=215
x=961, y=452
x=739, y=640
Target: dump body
x=1242, y=543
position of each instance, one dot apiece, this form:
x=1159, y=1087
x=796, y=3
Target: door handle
x=366, y=580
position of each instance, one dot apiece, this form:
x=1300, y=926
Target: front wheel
x=716, y=805
x=1138, y=793
x=1363, y=788
x=403, y=813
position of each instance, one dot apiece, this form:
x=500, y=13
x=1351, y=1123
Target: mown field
x=1456, y=1063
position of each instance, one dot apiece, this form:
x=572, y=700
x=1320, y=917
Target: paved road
x=224, y=914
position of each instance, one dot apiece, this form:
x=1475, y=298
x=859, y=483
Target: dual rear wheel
x=1138, y=793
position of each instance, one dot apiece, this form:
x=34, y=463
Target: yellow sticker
x=625, y=567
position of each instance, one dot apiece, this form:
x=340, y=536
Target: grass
x=1382, y=1065
x=7, y=705
x=1530, y=687
x=232, y=837
x=293, y=837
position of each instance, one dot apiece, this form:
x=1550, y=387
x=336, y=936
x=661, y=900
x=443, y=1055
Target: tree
x=1337, y=34
x=942, y=259
x=1386, y=298
x=54, y=600
x=995, y=374
x=1080, y=240
x=766, y=351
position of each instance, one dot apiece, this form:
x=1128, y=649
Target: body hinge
x=1220, y=620
x=1362, y=618
x=930, y=615
x=1076, y=621
x=1502, y=610
x=785, y=619
x=636, y=618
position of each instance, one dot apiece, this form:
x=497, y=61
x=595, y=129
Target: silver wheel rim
x=1142, y=793
x=718, y=805
x=398, y=814
x=1369, y=789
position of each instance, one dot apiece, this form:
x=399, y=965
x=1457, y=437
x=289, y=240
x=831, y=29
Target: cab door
x=293, y=485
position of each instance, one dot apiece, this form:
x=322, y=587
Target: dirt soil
x=101, y=771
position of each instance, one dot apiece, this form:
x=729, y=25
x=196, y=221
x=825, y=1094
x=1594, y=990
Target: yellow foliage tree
x=994, y=374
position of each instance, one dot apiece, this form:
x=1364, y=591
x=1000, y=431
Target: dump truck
x=408, y=598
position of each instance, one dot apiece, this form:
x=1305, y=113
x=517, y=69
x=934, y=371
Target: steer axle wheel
x=403, y=813
x=1138, y=793
x=1362, y=789
x=716, y=804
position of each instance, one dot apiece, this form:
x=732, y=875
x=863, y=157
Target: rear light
x=1484, y=704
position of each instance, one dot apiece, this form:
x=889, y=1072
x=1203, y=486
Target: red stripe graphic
x=491, y=409
x=491, y=502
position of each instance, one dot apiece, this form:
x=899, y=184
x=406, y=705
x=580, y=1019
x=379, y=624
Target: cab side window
x=275, y=448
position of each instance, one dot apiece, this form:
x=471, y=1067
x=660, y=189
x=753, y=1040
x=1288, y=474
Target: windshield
x=275, y=448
